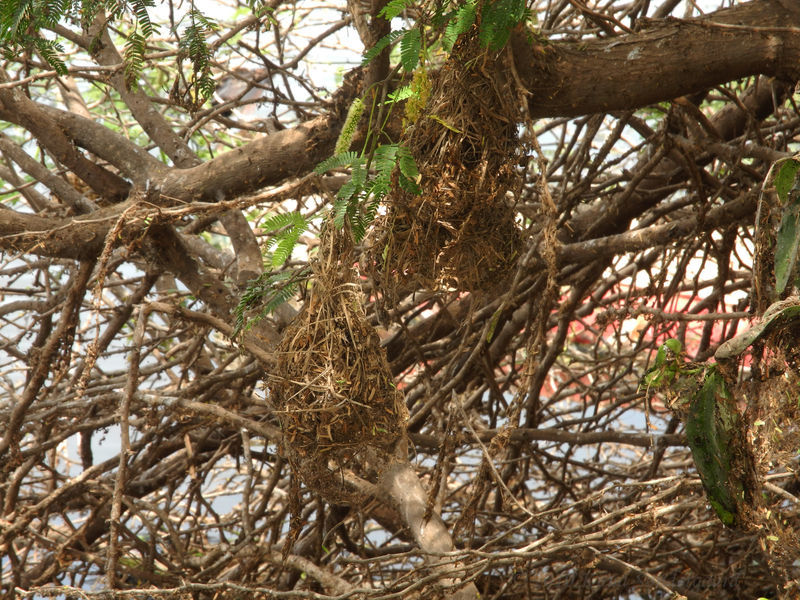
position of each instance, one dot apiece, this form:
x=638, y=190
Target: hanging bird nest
x=460, y=232
x=332, y=388
x=772, y=419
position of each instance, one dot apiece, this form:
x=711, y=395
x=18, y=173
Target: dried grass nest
x=332, y=388
x=460, y=233
x=773, y=415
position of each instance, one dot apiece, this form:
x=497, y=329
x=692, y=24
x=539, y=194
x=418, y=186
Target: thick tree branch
x=65, y=192
x=672, y=58
x=17, y=108
x=131, y=160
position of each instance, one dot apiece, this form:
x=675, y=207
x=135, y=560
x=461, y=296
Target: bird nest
x=460, y=232
x=332, y=387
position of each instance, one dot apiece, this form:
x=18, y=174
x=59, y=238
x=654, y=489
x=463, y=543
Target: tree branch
x=672, y=58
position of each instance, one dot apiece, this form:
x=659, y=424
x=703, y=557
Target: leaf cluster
x=265, y=294
x=358, y=199
x=193, y=45
x=787, y=186
x=21, y=22
x=495, y=20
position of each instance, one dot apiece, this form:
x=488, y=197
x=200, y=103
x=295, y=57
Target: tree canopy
x=399, y=299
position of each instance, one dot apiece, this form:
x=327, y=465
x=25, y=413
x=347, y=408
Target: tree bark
x=668, y=59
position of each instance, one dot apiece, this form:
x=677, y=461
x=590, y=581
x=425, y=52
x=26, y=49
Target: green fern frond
x=264, y=294
x=498, y=19
x=410, y=46
x=341, y=208
x=281, y=296
x=143, y=22
x=338, y=161
x=12, y=13
x=281, y=220
x=50, y=50
x=285, y=247
x=50, y=12
x=406, y=162
x=384, y=159
x=193, y=44
x=389, y=38
x=208, y=23
x=400, y=94
x=459, y=23
x=134, y=59
x=393, y=8
x=355, y=185
x=290, y=227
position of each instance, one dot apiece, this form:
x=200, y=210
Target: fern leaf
x=409, y=173
x=349, y=190
x=400, y=94
x=337, y=161
x=134, y=59
x=281, y=296
x=498, y=19
x=409, y=185
x=393, y=8
x=356, y=183
x=49, y=49
x=460, y=23
x=386, y=40
x=281, y=220
x=384, y=159
x=340, y=209
x=410, y=46
x=407, y=164
x=359, y=228
x=265, y=294
x=11, y=14
x=139, y=8
x=286, y=244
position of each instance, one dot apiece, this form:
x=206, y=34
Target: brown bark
x=670, y=58
x=17, y=108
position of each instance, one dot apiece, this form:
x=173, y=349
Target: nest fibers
x=333, y=389
x=460, y=232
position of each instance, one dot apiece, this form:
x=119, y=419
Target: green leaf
x=786, y=178
x=407, y=164
x=460, y=23
x=393, y=8
x=134, y=59
x=291, y=226
x=338, y=161
x=340, y=209
x=787, y=242
x=782, y=312
x=445, y=124
x=384, y=159
x=389, y=38
x=711, y=431
x=281, y=220
x=498, y=19
x=139, y=8
x=401, y=94
x=286, y=245
x=264, y=294
x=11, y=14
x=410, y=46
x=50, y=49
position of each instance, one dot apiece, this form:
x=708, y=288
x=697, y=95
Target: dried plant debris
x=334, y=392
x=460, y=232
